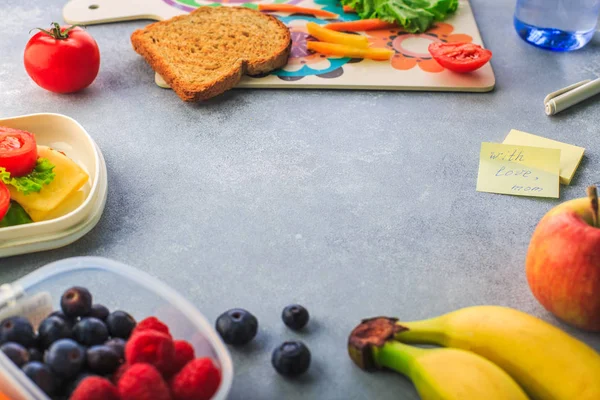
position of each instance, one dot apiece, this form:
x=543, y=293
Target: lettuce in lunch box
x=41, y=175
x=16, y=215
x=413, y=15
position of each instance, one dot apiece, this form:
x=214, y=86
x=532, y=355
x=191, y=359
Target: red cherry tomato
x=62, y=60
x=460, y=57
x=18, y=151
x=4, y=200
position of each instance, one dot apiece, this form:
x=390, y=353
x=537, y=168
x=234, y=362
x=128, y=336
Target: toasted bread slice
x=206, y=52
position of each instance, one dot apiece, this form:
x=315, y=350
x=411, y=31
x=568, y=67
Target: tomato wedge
x=4, y=200
x=460, y=57
x=18, y=151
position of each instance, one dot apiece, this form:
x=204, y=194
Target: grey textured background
x=352, y=203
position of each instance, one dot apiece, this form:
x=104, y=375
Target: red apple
x=563, y=262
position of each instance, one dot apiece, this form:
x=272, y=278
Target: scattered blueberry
x=76, y=302
x=291, y=358
x=17, y=353
x=90, y=331
x=42, y=376
x=52, y=329
x=120, y=324
x=237, y=326
x=295, y=316
x=17, y=329
x=36, y=355
x=99, y=311
x=102, y=359
x=66, y=358
x=71, y=386
x=118, y=345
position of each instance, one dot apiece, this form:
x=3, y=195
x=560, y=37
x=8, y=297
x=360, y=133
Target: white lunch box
x=67, y=135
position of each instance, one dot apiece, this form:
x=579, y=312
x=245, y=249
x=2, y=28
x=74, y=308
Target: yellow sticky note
x=570, y=156
x=518, y=170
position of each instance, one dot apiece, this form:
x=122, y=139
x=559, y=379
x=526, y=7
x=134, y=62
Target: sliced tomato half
x=18, y=151
x=4, y=200
x=460, y=57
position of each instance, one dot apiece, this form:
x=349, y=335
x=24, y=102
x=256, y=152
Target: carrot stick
x=348, y=9
x=329, y=36
x=288, y=8
x=332, y=49
x=360, y=25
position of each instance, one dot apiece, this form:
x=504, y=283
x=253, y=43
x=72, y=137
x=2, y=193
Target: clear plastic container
x=117, y=286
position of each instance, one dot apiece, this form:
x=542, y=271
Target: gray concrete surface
x=352, y=203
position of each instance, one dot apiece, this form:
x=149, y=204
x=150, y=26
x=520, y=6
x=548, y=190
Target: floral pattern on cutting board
x=410, y=50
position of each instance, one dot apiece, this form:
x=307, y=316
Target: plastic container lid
x=67, y=135
x=117, y=286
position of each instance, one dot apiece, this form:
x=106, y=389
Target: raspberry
x=152, y=324
x=198, y=380
x=95, y=388
x=116, y=377
x=151, y=347
x=143, y=382
x=184, y=353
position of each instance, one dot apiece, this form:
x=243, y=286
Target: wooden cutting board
x=411, y=68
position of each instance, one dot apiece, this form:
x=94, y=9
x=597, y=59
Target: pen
x=569, y=96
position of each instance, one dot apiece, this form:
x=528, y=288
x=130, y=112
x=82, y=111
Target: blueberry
x=118, y=345
x=52, y=329
x=120, y=324
x=36, y=355
x=42, y=376
x=237, y=326
x=99, y=311
x=17, y=353
x=61, y=315
x=66, y=358
x=90, y=331
x=291, y=358
x=102, y=359
x=58, y=314
x=295, y=316
x=76, y=302
x=17, y=329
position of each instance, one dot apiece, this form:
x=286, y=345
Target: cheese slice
x=69, y=178
x=69, y=204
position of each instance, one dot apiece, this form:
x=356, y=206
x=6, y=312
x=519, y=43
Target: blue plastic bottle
x=559, y=25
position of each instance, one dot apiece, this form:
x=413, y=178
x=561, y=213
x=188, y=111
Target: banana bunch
x=488, y=353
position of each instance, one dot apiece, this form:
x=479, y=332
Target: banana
x=438, y=374
x=548, y=363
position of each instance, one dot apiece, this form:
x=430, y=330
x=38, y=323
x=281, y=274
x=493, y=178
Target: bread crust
x=190, y=92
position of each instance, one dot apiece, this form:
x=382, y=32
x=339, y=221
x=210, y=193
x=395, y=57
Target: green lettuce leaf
x=41, y=175
x=15, y=215
x=4, y=176
x=413, y=15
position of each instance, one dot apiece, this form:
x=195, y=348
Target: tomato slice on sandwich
x=4, y=200
x=18, y=151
